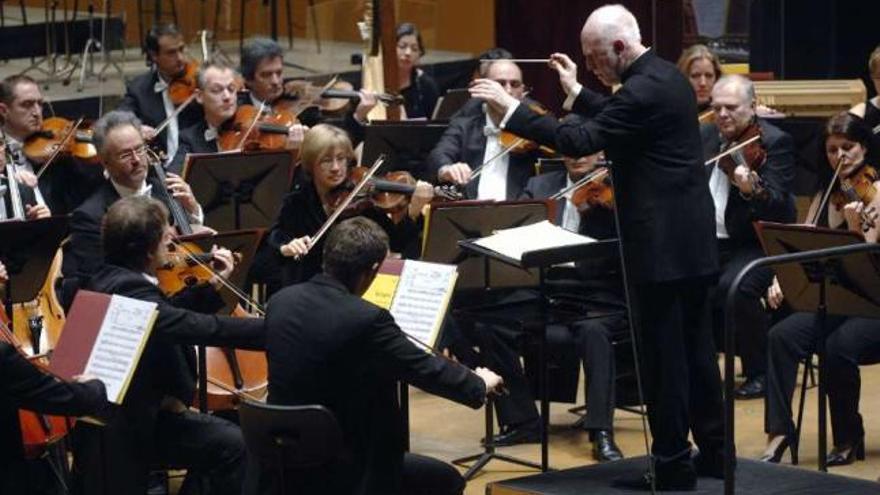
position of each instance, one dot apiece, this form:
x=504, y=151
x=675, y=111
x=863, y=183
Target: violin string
x=223, y=280
x=234, y=391
x=479, y=170
x=347, y=201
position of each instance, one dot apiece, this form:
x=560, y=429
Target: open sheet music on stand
x=531, y=245
x=104, y=337
x=417, y=295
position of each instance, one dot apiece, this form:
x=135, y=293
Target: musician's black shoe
x=682, y=482
x=604, y=448
x=752, y=388
x=529, y=432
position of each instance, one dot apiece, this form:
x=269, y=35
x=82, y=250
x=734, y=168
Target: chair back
x=290, y=437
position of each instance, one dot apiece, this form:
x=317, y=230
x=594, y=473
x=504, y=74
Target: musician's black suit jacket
x=192, y=140
x=649, y=132
x=166, y=368
x=327, y=346
x=464, y=141
x=142, y=99
x=25, y=386
x=83, y=255
x=777, y=176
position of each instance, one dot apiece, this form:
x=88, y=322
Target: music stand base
x=484, y=458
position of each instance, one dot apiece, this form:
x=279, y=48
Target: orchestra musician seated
x=419, y=90
x=473, y=141
x=326, y=345
x=744, y=192
x=217, y=93
x=65, y=184
x=703, y=69
x=849, y=341
x=326, y=157
x=262, y=66
x=26, y=386
x=148, y=95
x=125, y=156
x=155, y=427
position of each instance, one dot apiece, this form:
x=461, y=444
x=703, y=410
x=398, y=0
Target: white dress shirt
x=493, y=179
x=173, y=130
x=571, y=217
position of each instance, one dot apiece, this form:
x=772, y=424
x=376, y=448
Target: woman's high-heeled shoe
x=846, y=455
x=778, y=452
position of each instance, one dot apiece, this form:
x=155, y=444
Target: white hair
x=743, y=84
x=613, y=22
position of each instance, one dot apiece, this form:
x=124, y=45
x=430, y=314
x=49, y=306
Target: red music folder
x=104, y=336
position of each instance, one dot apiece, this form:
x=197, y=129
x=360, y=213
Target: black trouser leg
x=789, y=342
x=206, y=446
x=597, y=352
x=855, y=342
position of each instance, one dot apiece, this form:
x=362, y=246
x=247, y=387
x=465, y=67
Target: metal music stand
x=406, y=144
x=820, y=270
x=240, y=190
x=27, y=249
x=539, y=318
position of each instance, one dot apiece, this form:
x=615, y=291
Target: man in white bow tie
x=148, y=97
x=472, y=142
x=217, y=93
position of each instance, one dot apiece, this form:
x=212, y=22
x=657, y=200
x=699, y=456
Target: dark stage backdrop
x=535, y=29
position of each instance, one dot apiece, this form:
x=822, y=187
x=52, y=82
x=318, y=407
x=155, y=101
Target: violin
x=38, y=431
x=389, y=193
x=858, y=187
x=747, y=149
x=184, y=86
x=518, y=145
x=61, y=136
x=591, y=190
x=254, y=129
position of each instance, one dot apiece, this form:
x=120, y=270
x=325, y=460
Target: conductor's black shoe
x=681, y=483
x=604, y=448
x=529, y=432
x=752, y=388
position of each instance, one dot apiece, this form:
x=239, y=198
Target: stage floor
x=754, y=478
x=447, y=431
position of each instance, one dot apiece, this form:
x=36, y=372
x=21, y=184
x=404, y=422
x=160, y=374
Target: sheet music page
x=422, y=298
x=120, y=341
x=542, y=235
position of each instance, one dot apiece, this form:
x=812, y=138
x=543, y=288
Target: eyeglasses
x=130, y=155
x=513, y=83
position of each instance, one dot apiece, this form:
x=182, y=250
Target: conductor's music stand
x=537, y=320
x=847, y=285
x=240, y=190
x=27, y=249
x=405, y=144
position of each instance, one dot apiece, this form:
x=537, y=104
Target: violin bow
x=597, y=174
x=827, y=193
x=347, y=201
x=241, y=394
x=504, y=151
x=251, y=126
x=733, y=149
x=174, y=114
x=61, y=144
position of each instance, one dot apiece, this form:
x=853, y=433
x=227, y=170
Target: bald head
x=611, y=41
x=612, y=22
x=737, y=84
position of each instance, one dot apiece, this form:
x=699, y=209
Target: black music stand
x=450, y=103
x=240, y=190
x=540, y=260
x=405, y=144
x=846, y=285
x=450, y=223
x=27, y=249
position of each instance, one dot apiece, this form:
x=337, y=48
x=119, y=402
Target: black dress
x=420, y=96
